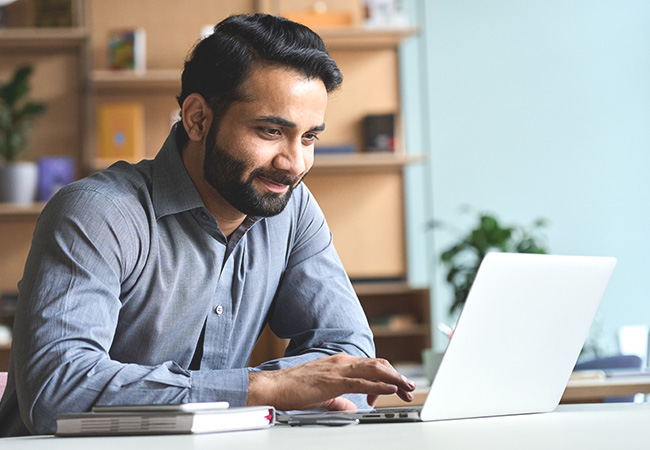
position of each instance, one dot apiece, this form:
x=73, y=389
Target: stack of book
x=164, y=419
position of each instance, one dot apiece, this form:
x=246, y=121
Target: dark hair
x=220, y=63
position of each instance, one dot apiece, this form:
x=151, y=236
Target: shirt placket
x=220, y=319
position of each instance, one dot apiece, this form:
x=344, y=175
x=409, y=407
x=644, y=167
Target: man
x=150, y=283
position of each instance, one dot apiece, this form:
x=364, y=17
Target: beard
x=225, y=174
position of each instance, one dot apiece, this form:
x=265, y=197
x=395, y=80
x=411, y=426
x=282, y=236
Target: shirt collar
x=172, y=187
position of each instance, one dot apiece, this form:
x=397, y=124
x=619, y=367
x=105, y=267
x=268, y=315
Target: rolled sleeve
x=229, y=385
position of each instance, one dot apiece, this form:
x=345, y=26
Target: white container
x=19, y=182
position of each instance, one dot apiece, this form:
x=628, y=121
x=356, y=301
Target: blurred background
x=533, y=114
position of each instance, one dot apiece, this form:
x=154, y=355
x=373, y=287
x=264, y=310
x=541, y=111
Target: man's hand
x=320, y=384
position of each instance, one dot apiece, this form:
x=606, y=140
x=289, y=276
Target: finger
x=408, y=385
x=372, y=400
x=406, y=396
x=372, y=387
x=380, y=370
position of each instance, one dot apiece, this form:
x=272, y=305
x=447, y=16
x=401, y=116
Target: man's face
x=262, y=147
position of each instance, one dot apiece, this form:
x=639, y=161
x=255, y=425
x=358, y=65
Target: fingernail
x=410, y=383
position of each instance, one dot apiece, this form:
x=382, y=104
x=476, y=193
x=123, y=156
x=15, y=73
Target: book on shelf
x=54, y=172
x=127, y=49
x=135, y=420
x=345, y=149
x=120, y=130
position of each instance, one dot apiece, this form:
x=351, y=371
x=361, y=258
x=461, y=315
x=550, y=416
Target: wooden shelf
x=21, y=38
x=158, y=79
x=16, y=210
x=370, y=288
x=339, y=38
x=363, y=161
x=365, y=38
x=389, y=332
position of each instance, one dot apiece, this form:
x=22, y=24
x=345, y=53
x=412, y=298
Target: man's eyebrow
x=277, y=121
x=285, y=123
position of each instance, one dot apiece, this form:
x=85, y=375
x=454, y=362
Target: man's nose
x=291, y=159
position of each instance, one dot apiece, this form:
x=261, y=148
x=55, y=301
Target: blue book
x=54, y=172
x=335, y=149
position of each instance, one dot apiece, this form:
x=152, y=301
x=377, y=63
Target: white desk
x=592, y=427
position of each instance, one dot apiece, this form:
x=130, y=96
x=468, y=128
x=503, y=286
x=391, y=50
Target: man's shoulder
x=121, y=176
x=122, y=181
x=123, y=186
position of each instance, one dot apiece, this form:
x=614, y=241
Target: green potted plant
x=18, y=179
x=463, y=258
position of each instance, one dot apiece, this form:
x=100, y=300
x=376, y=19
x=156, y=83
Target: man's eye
x=270, y=131
x=311, y=137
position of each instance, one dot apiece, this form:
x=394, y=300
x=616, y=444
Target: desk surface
x=593, y=427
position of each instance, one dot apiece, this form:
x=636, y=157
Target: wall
x=535, y=109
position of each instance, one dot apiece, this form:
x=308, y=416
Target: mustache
x=277, y=176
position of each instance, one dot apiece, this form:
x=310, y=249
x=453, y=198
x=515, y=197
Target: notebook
x=516, y=342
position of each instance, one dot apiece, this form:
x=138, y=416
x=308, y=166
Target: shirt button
x=218, y=309
x=204, y=216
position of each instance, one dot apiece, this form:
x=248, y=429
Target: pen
x=338, y=421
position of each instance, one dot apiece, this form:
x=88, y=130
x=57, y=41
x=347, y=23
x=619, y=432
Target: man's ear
x=197, y=116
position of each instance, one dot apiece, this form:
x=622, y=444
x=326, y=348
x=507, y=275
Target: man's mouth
x=273, y=186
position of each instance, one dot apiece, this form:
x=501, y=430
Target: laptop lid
x=519, y=335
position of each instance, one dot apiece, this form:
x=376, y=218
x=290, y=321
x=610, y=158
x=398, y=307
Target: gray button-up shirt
x=127, y=266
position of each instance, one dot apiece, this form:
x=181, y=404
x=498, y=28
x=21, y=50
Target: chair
x=609, y=363
x=3, y=382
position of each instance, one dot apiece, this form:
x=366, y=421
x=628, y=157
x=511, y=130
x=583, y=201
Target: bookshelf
x=361, y=194
x=58, y=55
x=26, y=38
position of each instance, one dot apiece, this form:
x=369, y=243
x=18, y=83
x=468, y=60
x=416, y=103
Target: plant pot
x=18, y=182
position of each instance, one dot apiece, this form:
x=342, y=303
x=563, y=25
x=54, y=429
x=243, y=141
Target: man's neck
x=228, y=217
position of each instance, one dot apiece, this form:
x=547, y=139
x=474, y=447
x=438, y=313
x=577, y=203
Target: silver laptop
x=516, y=342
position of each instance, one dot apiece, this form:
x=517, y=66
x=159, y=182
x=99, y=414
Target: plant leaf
x=463, y=258
x=33, y=109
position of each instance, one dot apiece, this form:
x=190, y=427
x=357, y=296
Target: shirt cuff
x=219, y=385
